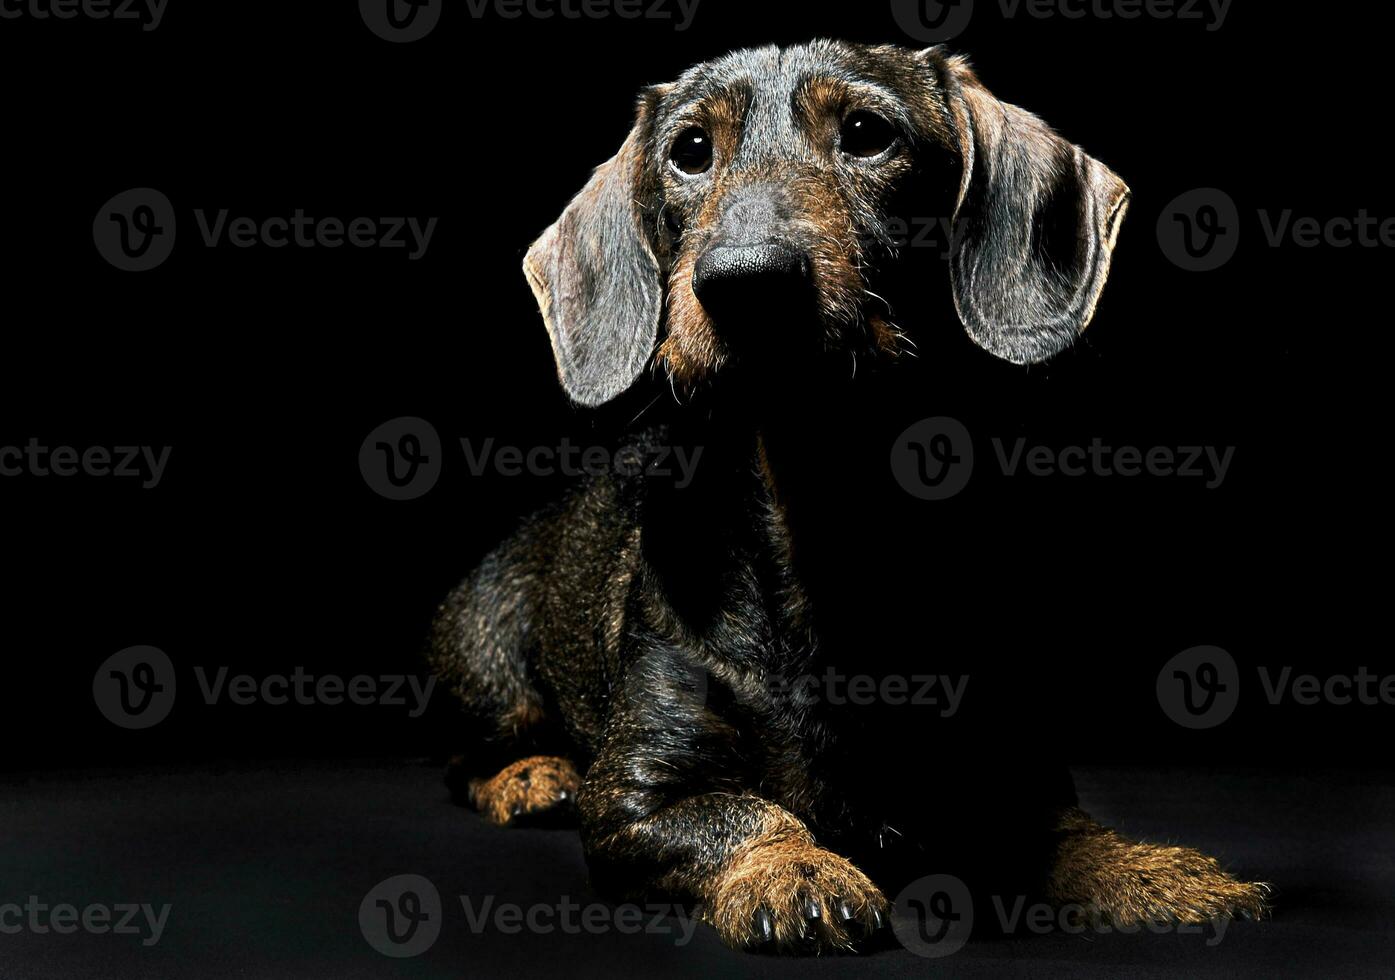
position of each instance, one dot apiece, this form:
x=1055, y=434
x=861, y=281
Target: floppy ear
x=1034, y=225
x=597, y=280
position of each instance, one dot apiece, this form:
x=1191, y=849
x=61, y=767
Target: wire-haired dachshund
x=635, y=655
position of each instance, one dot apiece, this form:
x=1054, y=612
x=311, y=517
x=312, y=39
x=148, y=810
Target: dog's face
x=745, y=219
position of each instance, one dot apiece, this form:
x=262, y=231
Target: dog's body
x=644, y=645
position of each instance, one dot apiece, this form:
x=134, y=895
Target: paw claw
x=792, y=896
x=764, y=923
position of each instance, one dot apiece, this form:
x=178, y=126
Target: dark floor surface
x=265, y=868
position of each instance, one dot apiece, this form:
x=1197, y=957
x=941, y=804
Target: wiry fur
x=1116, y=879
x=639, y=630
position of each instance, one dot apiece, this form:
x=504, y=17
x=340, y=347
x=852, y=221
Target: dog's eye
x=866, y=134
x=692, y=152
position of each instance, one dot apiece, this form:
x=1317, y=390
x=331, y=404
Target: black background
x=263, y=548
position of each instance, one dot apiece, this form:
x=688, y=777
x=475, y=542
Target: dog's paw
x=789, y=895
x=527, y=790
x=1126, y=881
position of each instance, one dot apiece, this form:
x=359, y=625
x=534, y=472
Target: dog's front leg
x=760, y=877
x=663, y=814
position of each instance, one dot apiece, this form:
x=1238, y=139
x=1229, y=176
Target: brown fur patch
x=526, y=788
x=692, y=350
x=886, y=338
x=833, y=248
x=1126, y=882
x=820, y=100
x=782, y=871
x=724, y=115
x=518, y=721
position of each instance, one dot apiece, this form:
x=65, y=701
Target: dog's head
x=745, y=219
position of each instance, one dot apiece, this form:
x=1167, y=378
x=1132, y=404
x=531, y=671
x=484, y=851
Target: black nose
x=736, y=281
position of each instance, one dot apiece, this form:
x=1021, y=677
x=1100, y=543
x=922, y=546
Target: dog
x=631, y=656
